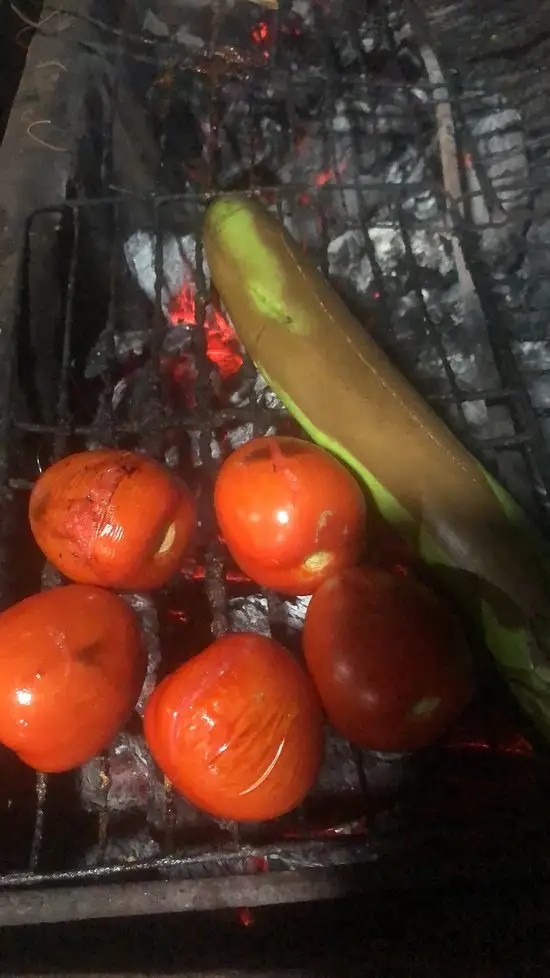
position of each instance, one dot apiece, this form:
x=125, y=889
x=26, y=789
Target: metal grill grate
x=456, y=286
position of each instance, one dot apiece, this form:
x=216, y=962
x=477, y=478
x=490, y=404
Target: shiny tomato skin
x=388, y=659
x=72, y=666
x=113, y=518
x=238, y=729
x=290, y=514
x=292, y=581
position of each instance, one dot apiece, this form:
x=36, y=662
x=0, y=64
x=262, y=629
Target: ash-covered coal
x=124, y=780
x=177, y=263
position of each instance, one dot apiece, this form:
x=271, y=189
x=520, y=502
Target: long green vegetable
x=346, y=394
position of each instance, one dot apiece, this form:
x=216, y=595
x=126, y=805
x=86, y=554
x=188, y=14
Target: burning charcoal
x=189, y=40
x=178, y=298
x=178, y=339
x=135, y=398
x=123, y=849
x=154, y=25
x=246, y=379
x=339, y=772
x=249, y=615
x=303, y=9
x=265, y=396
x=50, y=577
x=385, y=773
x=253, y=387
x=498, y=134
x=172, y=457
x=240, y=435
x=127, y=781
x=348, y=261
x=130, y=780
x=432, y=250
x=122, y=345
x=294, y=610
x=178, y=264
x=534, y=356
x=215, y=450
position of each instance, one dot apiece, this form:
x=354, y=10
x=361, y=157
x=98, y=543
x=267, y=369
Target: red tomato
x=290, y=514
x=387, y=657
x=238, y=729
x=113, y=518
x=71, y=669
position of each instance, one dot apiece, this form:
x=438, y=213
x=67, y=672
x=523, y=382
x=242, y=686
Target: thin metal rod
x=140, y=899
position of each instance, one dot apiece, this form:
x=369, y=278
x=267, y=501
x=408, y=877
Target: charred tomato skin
x=388, y=659
x=72, y=666
x=238, y=729
x=290, y=514
x=113, y=518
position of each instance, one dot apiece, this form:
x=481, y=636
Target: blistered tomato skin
x=290, y=514
x=114, y=518
x=388, y=659
x=238, y=729
x=72, y=666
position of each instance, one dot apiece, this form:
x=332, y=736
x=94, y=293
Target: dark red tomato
x=290, y=514
x=72, y=666
x=238, y=729
x=113, y=518
x=388, y=659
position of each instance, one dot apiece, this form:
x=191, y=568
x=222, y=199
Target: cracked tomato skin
x=290, y=514
x=72, y=667
x=114, y=518
x=388, y=659
x=238, y=729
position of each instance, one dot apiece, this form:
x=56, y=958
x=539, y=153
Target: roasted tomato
x=238, y=729
x=113, y=518
x=387, y=657
x=290, y=514
x=72, y=666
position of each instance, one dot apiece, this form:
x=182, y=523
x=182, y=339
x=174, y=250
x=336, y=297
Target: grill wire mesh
x=340, y=119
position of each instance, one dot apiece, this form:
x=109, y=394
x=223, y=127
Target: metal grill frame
x=115, y=890
x=148, y=886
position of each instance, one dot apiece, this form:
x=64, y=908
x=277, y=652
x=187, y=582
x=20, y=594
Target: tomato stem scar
x=316, y=562
x=168, y=541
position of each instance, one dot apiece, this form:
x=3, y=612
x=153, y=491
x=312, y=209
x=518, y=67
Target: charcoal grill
x=421, y=192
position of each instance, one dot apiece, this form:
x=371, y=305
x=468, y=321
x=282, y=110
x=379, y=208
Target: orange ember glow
x=246, y=917
x=327, y=175
x=222, y=347
x=324, y=177
x=260, y=33
x=260, y=36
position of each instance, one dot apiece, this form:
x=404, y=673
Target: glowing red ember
x=222, y=346
x=322, y=178
x=260, y=32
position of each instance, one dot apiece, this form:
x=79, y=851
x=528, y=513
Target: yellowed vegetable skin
x=345, y=392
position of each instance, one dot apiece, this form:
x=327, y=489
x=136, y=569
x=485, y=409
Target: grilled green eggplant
x=344, y=391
